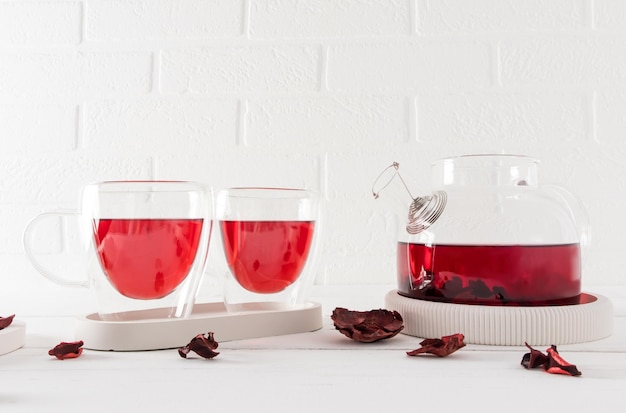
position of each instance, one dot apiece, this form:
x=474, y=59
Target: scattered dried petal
x=6, y=321
x=558, y=365
x=552, y=362
x=367, y=326
x=533, y=359
x=442, y=347
x=201, y=345
x=67, y=350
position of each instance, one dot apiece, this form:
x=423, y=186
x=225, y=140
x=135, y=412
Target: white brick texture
x=321, y=94
x=74, y=75
x=150, y=20
x=38, y=127
x=609, y=15
x=501, y=119
x=249, y=69
x=322, y=122
x=497, y=16
x=329, y=18
x=408, y=66
x=159, y=126
x=563, y=61
x=36, y=22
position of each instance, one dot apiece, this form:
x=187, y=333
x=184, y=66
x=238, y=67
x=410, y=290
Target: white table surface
x=317, y=371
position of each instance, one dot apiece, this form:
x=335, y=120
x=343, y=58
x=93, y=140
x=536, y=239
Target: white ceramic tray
x=12, y=337
x=590, y=320
x=141, y=332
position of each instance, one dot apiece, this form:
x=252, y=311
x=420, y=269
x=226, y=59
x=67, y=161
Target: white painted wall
x=320, y=94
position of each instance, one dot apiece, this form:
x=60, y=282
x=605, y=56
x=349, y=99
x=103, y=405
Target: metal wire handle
x=423, y=211
x=391, y=168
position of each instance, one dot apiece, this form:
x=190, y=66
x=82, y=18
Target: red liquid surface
x=490, y=274
x=266, y=256
x=147, y=258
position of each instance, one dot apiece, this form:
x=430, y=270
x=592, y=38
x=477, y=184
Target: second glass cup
x=269, y=236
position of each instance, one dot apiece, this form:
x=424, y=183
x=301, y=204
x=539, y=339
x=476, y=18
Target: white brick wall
x=320, y=94
x=404, y=66
x=149, y=20
x=48, y=23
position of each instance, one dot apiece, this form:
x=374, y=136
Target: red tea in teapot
x=529, y=275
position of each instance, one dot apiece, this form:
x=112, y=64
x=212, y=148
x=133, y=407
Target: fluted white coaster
x=141, y=330
x=12, y=337
x=506, y=325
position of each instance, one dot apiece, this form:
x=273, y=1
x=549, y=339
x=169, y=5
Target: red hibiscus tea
x=147, y=258
x=490, y=274
x=266, y=256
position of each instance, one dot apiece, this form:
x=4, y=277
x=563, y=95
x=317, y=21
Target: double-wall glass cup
x=269, y=237
x=145, y=246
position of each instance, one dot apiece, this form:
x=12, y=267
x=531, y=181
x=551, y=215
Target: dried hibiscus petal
x=67, y=350
x=440, y=347
x=367, y=326
x=557, y=365
x=552, y=362
x=534, y=359
x=201, y=345
x=6, y=321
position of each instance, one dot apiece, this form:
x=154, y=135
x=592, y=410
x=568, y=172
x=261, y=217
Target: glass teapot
x=489, y=234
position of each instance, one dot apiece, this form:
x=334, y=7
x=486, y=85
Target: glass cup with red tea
x=269, y=238
x=144, y=246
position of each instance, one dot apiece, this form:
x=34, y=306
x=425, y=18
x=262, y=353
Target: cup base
x=258, y=306
x=150, y=333
x=237, y=299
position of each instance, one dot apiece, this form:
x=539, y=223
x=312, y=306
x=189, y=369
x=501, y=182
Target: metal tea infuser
x=423, y=210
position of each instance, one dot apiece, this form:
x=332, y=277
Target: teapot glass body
x=497, y=237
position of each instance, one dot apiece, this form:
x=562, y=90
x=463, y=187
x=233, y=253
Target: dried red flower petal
x=534, y=359
x=558, y=365
x=201, y=345
x=67, y=350
x=6, y=321
x=367, y=326
x=442, y=347
x=552, y=363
